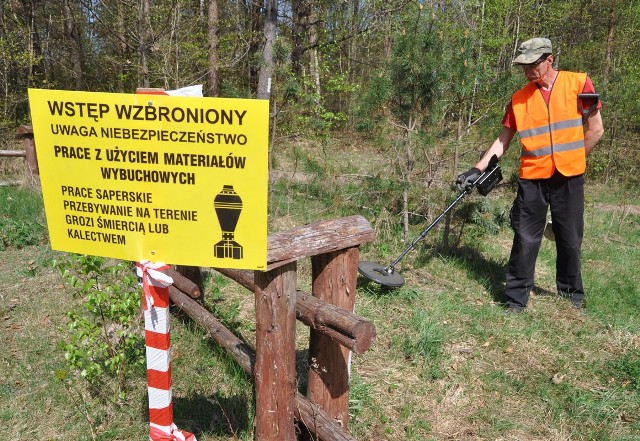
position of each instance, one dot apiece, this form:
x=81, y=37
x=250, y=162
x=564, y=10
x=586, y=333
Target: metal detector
x=387, y=276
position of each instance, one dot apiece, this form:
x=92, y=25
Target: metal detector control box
x=489, y=179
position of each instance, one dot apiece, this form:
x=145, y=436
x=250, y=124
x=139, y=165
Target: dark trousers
x=565, y=196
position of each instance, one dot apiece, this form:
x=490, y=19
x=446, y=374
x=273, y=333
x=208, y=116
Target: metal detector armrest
x=584, y=99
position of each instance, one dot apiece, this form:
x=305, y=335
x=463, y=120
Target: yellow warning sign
x=178, y=180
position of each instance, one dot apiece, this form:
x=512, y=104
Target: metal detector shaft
x=461, y=196
x=490, y=177
x=386, y=276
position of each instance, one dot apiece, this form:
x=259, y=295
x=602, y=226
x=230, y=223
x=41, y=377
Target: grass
x=22, y=220
x=448, y=364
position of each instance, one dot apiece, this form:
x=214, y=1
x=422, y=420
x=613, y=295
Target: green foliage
x=486, y=216
x=21, y=218
x=413, y=68
x=359, y=396
x=612, y=296
x=447, y=65
x=16, y=65
x=105, y=343
x=316, y=118
x=595, y=410
x=445, y=356
x=408, y=83
x=371, y=107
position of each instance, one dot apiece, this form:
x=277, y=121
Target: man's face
x=538, y=69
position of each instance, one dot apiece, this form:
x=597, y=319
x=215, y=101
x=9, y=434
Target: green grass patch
x=424, y=345
x=624, y=371
x=22, y=220
x=447, y=363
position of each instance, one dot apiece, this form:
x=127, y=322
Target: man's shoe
x=578, y=304
x=514, y=309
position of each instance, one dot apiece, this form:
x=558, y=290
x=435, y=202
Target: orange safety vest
x=552, y=135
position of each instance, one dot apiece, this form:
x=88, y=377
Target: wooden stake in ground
x=275, y=370
x=334, y=282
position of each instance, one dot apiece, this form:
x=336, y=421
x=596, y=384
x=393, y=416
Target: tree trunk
x=266, y=69
x=145, y=41
x=407, y=175
x=607, y=62
x=73, y=39
x=213, y=75
x=352, y=51
x=388, y=35
x=32, y=39
x=475, y=80
x=121, y=44
x=300, y=17
x=314, y=62
x=255, y=42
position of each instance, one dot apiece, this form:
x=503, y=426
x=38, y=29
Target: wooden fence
x=333, y=247
x=29, y=153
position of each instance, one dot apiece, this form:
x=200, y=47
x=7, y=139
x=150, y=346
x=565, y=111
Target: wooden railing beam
x=184, y=284
x=13, y=153
x=317, y=238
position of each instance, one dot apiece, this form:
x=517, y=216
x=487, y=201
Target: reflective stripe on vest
x=552, y=136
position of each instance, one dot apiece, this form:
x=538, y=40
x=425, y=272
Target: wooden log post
x=26, y=132
x=275, y=368
x=334, y=245
x=334, y=278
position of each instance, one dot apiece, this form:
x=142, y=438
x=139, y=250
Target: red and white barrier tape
x=157, y=331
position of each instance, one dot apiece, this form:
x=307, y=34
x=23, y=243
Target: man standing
x=548, y=116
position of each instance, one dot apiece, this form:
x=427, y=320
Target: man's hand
x=465, y=180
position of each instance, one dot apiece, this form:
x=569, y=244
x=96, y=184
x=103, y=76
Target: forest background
x=376, y=106
x=425, y=80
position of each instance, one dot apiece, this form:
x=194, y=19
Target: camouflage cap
x=532, y=49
